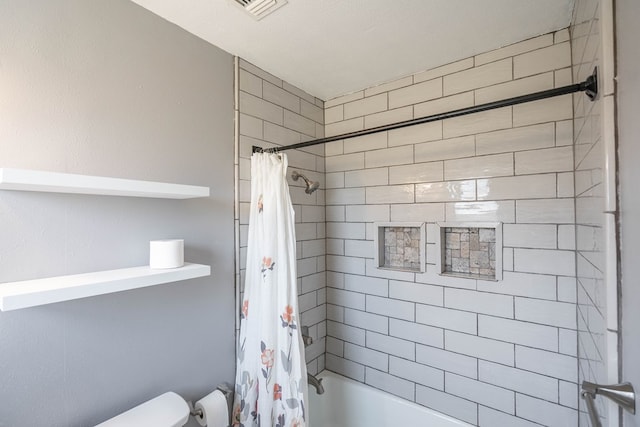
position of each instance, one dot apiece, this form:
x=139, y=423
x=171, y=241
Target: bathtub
x=348, y=403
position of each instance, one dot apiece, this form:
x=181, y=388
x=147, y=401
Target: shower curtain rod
x=589, y=86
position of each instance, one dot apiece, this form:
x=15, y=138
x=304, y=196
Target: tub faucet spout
x=316, y=383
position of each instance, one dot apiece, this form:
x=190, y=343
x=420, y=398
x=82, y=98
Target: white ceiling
x=333, y=47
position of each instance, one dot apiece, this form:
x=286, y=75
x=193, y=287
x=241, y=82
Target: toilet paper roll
x=215, y=412
x=166, y=253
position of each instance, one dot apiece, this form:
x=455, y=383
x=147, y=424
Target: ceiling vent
x=261, y=8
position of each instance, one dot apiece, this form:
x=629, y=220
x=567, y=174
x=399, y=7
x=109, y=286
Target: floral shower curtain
x=271, y=375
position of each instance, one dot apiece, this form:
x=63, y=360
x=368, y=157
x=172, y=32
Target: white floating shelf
x=54, y=182
x=31, y=293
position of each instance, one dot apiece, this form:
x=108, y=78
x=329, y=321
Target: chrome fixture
x=306, y=338
x=311, y=185
x=316, y=383
x=622, y=394
x=227, y=391
x=313, y=381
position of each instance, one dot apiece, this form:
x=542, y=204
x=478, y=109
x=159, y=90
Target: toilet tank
x=166, y=410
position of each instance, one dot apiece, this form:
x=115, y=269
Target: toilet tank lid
x=166, y=410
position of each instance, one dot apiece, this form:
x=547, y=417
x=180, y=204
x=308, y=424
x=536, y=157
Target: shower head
x=311, y=185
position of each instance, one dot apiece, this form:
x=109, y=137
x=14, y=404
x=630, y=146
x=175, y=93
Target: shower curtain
x=271, y=375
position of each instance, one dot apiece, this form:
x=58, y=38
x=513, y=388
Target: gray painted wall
x=107, y=88
x=628, y=34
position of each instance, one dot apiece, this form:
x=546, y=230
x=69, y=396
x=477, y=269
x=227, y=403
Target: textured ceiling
x=333, y=47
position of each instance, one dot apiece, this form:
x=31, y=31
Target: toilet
x=166, y=410
x=171, y=410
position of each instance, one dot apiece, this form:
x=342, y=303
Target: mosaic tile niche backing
x=470, y=251
x=402, y=248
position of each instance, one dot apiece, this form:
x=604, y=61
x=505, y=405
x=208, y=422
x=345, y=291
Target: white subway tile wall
x=589, y=165
x=271, y=113
x=489, y=353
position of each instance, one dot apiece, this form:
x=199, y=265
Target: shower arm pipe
x=589, y=86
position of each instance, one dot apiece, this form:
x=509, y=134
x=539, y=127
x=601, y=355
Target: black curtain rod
x=589, y=86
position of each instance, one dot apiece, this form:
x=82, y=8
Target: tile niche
x=469, y=250
x=400, y=246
